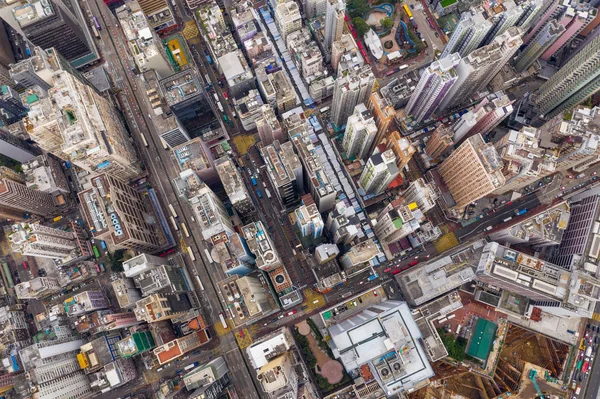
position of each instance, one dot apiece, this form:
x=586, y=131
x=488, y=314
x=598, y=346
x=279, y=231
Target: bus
x=96, y=24
x=95, y=32
x=96, y=252
x=585, y=367
x=185, y=230
x=174, y=223
x=267, y=192
x=200, y=283
x=144, y=141
x=403, y=67
x=223, y=322
x=579, y=363
x=191, y=253
x=190, y=366
x=324, y=109
x=210, y=259
x=430, y=23
x=172, y=211
x=407, y=10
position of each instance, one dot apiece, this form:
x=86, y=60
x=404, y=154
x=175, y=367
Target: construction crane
x=532, y=375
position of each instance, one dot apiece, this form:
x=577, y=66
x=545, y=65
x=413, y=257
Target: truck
x=579, y=176
x=588, y=351
x=220, y=106
x=210, y=61
x=373, y=277
x=520, y=212
x=259, y=194
x=190, y=366
x=253, y=179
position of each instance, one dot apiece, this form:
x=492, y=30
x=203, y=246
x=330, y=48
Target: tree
x=358, y=8
x=361, y=26
x=386, y=23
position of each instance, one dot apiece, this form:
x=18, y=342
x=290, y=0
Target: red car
x=291, y=312
x=389, y=269
x=414, y=262
x=225, y=95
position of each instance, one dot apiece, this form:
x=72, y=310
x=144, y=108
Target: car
x=594, y=174
x=281, y=316
x=569, y=176
x=291, y=312
x=595, y=178
x=563, y=188
x=540, y=184
x=225, y=95
x=180, y=371
x=158, y=370
x=596, y=340
x=375, y=293
x=359, y=300
x=485, y=210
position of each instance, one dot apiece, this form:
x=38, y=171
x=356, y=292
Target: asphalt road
x=494, y=219
x=589, y=382
x=161, y=171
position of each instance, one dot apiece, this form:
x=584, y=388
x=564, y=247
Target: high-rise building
x=492, y=110
x=477, y=69
x=51, y=24
x=317, y=182
x=394, y=355
x=334, y=22
x=268, y=126
x=575, y=141
x=12, y=109
x=309, y=220
x=74, y=122
x=547, y=286
x=37, y=240
x=396, y=221
x=165, y=306
x=541, y=227
x=208, y=380
x=234, y=186
x=509, y=16
x=287, y=18
x=85, y=302
x=261, y=246
x=186, y=97
x=578, y=249
x=472, y=171
x=38, y=288
x=45, y=173
x=345, y=45
x=135, y=344
x=17, y=200
x=163, y=278
x=440, y=142
x=176, y=348
x=126, y=292
x=118, y=214
x=351, y=88
x=525, y=161
x=284, y=171
x=360, y=132
x=550, y=11
x=380, y=170
x=209, y=211
x=159, y=14
x=575, y=81
x=539, y=44
x=421, y=193
x=141, y=263
x=232, y=253
x=433, y=87
x=16, y=148
x=384, y=114
x=468, y=33
x=401, y=147
x=573, y=21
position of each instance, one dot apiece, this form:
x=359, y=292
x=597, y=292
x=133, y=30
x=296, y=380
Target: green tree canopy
x=386, y=23
x=361, y=26
x=358, y=8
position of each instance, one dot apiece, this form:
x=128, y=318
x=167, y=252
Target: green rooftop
x=398, y=223
x=446, y=3
x=31, y=98
x=482, y=339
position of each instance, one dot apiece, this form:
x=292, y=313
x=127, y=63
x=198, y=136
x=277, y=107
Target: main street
x=161, y=172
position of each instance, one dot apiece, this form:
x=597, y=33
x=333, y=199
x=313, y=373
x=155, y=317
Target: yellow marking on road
x=596, y=316
x=446, y=242
x=223, y=331
x=243, y=338
x=243, y=142
x=190, y=30
x=312, y=297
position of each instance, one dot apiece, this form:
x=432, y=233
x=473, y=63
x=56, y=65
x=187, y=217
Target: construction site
x=528, y=365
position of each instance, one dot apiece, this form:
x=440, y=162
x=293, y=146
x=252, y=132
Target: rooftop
x=232, y=181
x=261, y=246
x=386, y=339
x=444, y=273
x=281, y=161
x=180, y=87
